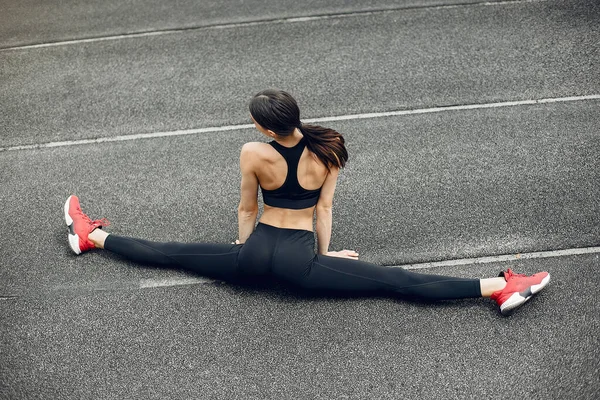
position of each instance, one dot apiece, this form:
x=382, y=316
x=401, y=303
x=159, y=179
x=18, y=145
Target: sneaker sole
x=519, y=298
x=73, y=237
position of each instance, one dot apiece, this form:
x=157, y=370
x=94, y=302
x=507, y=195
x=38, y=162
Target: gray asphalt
x=463, y=191
x=33, y=22
x=404, y=59
x=418, y=188
x=223, y=341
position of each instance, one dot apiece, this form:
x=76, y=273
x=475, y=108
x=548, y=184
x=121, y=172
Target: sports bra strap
x=291, y=194
x=292, y=158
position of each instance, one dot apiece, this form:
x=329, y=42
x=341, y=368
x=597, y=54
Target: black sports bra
x=291, y=194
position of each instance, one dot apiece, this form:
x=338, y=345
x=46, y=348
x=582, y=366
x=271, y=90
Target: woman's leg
x=340, y=274
x=490, y=285
x=295, y=262
x=218, y=261
x=221, y=261
x=359, y=276
x=214, y=260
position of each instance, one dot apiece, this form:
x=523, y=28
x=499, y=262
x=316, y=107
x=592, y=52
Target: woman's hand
x=351, y=254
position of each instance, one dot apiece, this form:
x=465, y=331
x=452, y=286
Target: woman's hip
x=276, y=250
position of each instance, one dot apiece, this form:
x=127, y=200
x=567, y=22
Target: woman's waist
x=288, y=219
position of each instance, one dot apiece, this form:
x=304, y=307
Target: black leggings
x=288, y=254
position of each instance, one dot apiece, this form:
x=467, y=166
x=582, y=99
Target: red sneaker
x=519, y=288
x=80, y=226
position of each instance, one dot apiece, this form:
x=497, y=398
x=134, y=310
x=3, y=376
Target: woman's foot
x=80, y=226
x=519, y=288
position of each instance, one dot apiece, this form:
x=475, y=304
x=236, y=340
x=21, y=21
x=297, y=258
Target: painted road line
x=155, y=283
x=464, y=107
x=123, y=138
x=269, y=21
x=503, y=258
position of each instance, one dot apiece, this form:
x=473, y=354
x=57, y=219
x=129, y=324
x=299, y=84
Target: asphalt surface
x=32, y=22
x=418, y=188
x=208, y=341
x=404, y=59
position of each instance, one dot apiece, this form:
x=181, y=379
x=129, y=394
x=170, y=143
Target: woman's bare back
x=271, y=171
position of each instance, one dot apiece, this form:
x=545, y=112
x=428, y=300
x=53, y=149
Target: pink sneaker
x=80, y=226
x=519, y=288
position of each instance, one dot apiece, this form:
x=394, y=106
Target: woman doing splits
x=297, y=172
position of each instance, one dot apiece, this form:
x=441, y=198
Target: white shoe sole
x=73, y=238
x=517, y=299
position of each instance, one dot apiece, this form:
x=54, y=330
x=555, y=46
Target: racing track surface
x=491, y=148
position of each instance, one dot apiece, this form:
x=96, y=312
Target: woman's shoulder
x=252, y=146
x=257, y=150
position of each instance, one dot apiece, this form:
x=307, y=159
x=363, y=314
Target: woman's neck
x=290, y=140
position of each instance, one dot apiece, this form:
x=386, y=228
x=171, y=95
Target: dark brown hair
x=278, y=111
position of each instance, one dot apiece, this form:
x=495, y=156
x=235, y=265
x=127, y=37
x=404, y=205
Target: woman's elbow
x=324, y=208
x=247, y=210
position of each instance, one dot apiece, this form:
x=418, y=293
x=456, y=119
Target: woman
x=297, y=172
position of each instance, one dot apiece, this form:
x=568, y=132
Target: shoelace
x=97, y=223
x=509, y=274
x=102, y=222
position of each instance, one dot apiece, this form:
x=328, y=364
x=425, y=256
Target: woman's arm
x=325, y=218
x=248, y=208
x=323, y=211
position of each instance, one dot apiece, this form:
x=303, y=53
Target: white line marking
x=123, y=138
x=502, y=258
x=259, y=22
x=154, y=283
x=313, y=120
x=457, y=108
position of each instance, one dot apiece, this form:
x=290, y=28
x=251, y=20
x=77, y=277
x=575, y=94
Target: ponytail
x=326, y=144
x=278, y=111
